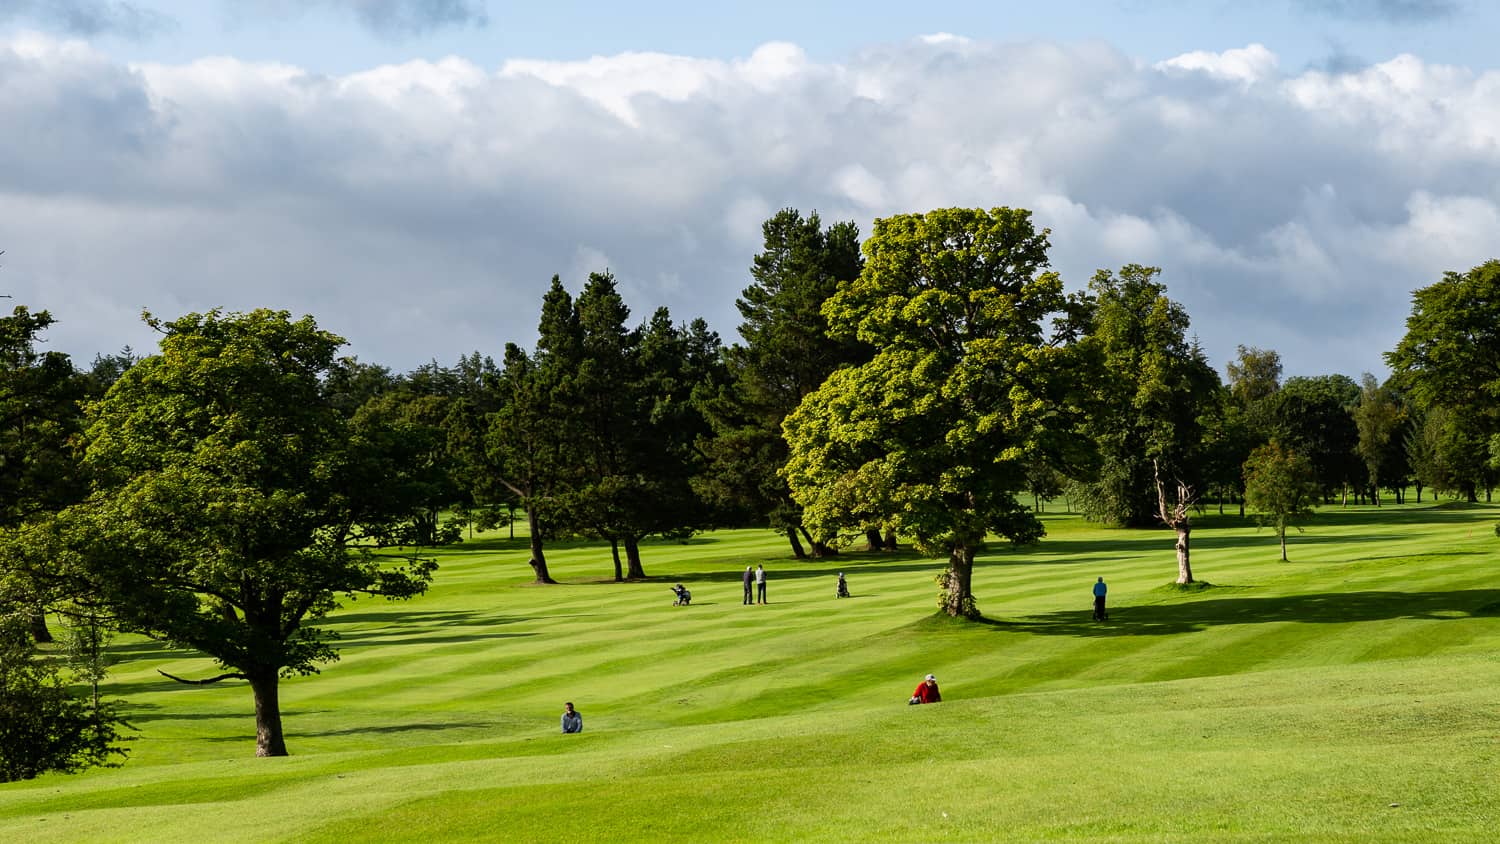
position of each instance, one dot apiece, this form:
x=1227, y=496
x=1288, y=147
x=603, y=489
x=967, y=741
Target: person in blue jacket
x=1099, y=592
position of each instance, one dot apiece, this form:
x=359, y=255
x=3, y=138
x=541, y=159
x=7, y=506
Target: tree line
x=933, y=383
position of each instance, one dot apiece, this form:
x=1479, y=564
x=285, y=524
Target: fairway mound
x=941, y=622
x=1185, y=588
x=1459, y=505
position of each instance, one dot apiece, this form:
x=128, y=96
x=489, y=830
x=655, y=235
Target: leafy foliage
x=43, y=726
x=933, y=437
x=1149, y=407
x=233, y=503
x=787, y=354
x=1281, y=486
x=1450, y=358
x=1314, y=417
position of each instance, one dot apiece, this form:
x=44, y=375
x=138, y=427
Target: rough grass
x=1346, y=695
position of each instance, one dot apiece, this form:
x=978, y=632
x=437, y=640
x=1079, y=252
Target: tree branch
x=202, y=682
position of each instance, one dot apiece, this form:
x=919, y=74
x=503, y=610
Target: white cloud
x=420, y=209
x=1248, y=64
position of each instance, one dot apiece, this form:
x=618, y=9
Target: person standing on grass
x=927, y=691
x=749, y=580
x=760, y=584
x=1099, y=591
x=572, y=722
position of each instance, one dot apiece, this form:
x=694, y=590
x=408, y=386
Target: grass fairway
x=1351, y=694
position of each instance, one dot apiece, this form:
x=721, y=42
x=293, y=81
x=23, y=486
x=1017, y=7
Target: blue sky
x=413, y=172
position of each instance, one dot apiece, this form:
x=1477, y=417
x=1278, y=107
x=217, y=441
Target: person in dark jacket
x=749, y=584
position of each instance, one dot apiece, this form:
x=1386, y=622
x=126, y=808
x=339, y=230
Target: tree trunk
x=37, y=622
x=958, y=593
x=269, y=740
x=614, y=551
x=538, y=559
x=890, y=540
x=797, y=550
x=1184, y=564
x=873, y=542
x=1281, y=533
x=1419, y=493
x=633, y=559
x=819, y=549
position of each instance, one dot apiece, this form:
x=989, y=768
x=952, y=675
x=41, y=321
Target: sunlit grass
x=1287, y=701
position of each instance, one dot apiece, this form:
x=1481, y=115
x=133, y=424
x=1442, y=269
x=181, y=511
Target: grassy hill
x=1351, y=694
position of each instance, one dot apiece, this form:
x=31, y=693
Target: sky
x=413, y=172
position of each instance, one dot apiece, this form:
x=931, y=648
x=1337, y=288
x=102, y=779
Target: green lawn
x=1351, y=694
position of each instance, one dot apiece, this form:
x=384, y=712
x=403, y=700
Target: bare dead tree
x=1176, y=517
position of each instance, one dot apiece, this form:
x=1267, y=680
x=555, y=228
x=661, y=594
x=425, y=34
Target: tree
x=1450, y=358
x=229, y=501
x=1151, y=404
x=529, y=431
x=786, y=354
x=1281, y=486
x=632, y=427
x=1176, y=515
x=1314, y=417
x=1244, y=422
x=933, y=436
x=1255, y=375
x=43, y=726
x=1377, y=417
x=40, y=413
x=486, y=502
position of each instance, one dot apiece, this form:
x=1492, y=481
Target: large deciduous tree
x=229, y=502
x=1151, y=404
x=966, y=389
x=1314, y=416
x=1450, y=359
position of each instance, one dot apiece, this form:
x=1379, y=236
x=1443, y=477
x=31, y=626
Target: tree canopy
x=230, y=502
x=1149, y=406
x=1450, y=358
x=1281, y=487
x=935, y=434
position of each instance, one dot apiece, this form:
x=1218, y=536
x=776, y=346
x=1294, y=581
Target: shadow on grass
x=388, y=729
x=1200, y=614
x=373, y=639
x=398, y=613
x=522, y=543
x=145, y=712
x=851, y=565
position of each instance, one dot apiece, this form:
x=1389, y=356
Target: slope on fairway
x=1290, y=701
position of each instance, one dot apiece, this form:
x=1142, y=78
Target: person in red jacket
x=927, y=691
